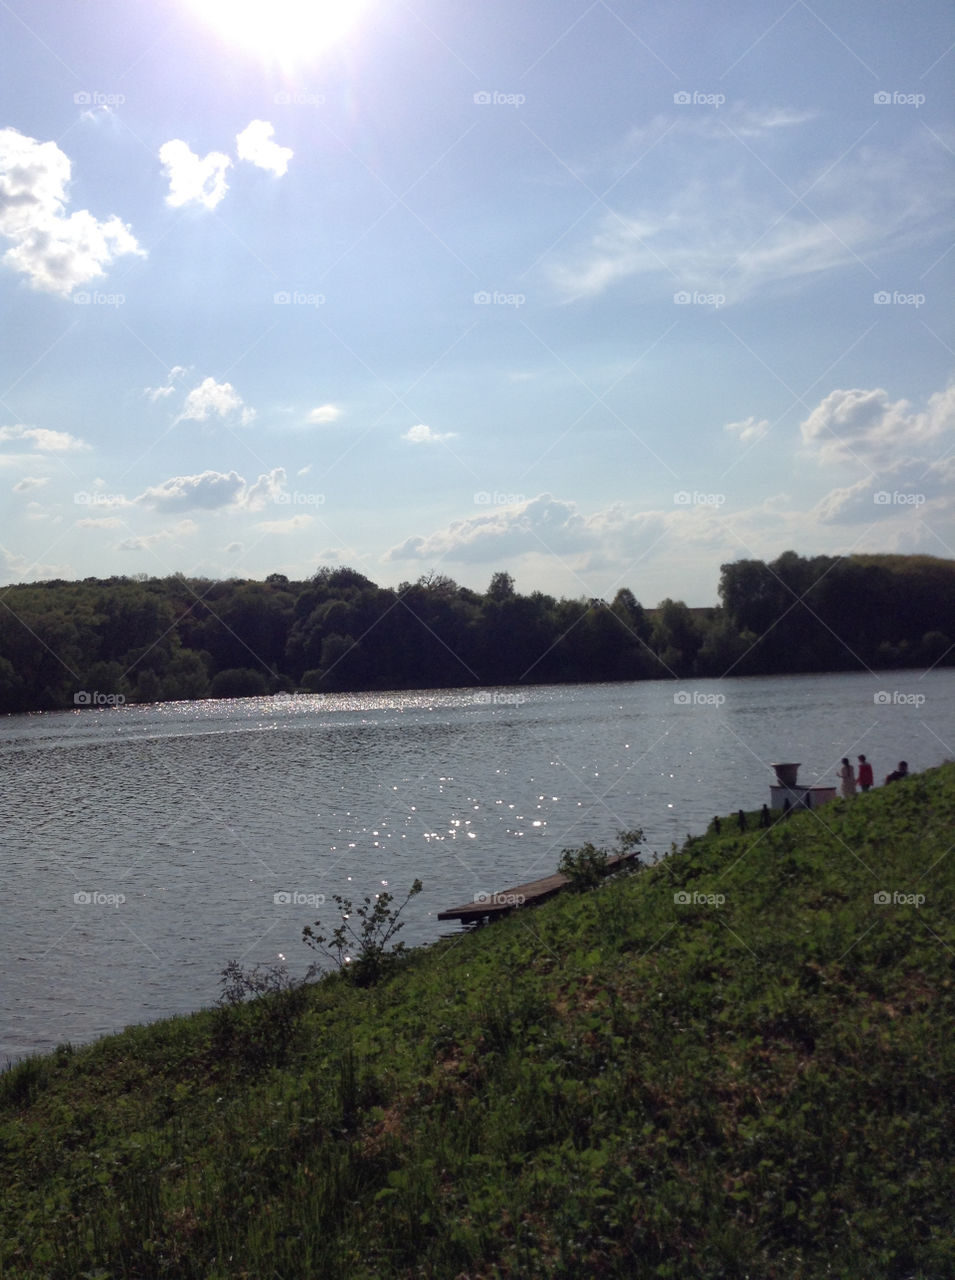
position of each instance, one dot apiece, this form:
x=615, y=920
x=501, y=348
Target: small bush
x=359, y=949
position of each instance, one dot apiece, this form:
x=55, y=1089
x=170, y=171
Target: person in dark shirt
x=901, y=772
x=865, y=778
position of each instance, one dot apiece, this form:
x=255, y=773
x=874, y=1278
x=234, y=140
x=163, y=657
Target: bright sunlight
x=287, y=32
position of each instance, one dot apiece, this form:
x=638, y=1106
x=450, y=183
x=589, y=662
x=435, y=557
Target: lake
x=143, y=847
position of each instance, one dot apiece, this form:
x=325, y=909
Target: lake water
x=143, y=847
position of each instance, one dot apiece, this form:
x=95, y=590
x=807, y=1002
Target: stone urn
x=786, y=774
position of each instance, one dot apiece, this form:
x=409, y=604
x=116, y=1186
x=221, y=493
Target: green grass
x=614, y=1084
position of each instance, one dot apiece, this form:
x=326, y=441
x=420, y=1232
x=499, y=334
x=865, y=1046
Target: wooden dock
x=491, y=906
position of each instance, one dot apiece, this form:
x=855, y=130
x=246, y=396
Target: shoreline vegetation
x=736, y=1061
x=100, y=643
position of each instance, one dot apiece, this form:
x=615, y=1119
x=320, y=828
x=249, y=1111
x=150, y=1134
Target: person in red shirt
x=865, y=778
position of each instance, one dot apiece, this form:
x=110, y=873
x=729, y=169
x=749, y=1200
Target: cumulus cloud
x=209, y=490
x=901, y=491
x=866, y=426
x=266, y=489
x=324, y=413
x=543, y=524
x=255, y=144
x=43, y=440
x=212, y=491
x=749, y=429
x=55, y=250
x=30, y=482
x=194, y=179
x=214, y=398
x=422, y=434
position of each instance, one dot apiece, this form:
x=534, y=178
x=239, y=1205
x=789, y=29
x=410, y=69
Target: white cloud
x=867, y=427
x=751, y=428
x=168, y=387
x=212, y=491
x=182, y=529
x=729, y=228
x=421, y=434
x=99, y=522
x=542, y=525
x=208, y=490
x=324, y=413
x=218, y=398
x=20, y=568
x=255, y=144
x=193, y=179
x=44, y=440
x=291, y=525
x=56, y=251
x=266, y=489
x=30, y=482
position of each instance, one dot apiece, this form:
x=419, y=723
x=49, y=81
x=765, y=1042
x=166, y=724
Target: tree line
x=147, y=639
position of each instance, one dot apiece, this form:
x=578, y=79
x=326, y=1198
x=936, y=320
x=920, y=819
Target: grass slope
x=639, y=1081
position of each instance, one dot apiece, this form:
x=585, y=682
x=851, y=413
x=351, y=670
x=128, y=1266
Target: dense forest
x=98, y=642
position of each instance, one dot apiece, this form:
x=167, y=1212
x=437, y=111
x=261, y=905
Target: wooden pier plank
x=522, y=895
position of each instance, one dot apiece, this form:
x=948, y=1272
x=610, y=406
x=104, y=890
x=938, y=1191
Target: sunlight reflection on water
x=222, y=824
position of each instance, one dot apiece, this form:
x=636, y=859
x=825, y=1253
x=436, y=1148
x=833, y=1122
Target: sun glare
x=287, y=32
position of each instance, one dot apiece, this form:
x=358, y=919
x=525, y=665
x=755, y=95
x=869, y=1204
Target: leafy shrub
x=359, y=945
x=585, y=868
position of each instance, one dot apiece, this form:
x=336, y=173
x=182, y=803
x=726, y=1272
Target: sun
x=286, y=32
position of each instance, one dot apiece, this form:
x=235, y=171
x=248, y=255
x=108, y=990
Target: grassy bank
x=738, y=1062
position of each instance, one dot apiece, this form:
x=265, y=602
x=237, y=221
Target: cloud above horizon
x=43, y=440
x=422, y=434
x=56, y=251
x=214, y=490
x=731, y=233
x=218, y=399
x=255, y=144
x=194, y=179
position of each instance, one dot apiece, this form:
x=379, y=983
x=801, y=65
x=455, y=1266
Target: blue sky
x=602, y=294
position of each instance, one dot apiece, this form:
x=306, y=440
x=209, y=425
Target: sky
x=600, y=294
